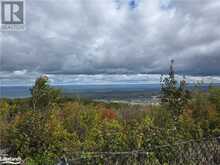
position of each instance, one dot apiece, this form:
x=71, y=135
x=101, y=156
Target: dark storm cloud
x=115, y=36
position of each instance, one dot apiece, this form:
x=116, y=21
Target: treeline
x=46, y=127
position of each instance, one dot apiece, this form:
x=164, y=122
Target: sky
x=107, y=41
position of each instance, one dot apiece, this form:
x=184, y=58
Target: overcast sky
x=101, y=37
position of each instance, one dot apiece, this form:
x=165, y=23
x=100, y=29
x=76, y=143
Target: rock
x=63, y=161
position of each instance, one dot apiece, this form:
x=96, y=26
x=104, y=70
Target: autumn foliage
x=42, y=133
x=108, y=114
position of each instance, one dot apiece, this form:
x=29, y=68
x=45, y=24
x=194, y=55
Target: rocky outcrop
x=5, y=159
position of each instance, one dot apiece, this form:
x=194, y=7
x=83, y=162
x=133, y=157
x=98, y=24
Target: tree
x=174, y=94
x=42, y=94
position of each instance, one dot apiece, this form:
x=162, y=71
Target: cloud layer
x=115, y=37
x=24, y=78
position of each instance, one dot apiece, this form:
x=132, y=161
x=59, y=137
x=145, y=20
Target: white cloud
x=28, y=79
x=20, y=72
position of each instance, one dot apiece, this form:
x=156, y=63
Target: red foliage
x=108, y=114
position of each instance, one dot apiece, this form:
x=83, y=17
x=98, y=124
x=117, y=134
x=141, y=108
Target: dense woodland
x=46, y=127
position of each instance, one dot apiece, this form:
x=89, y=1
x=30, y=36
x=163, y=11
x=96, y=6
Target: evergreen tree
x=175, y=95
